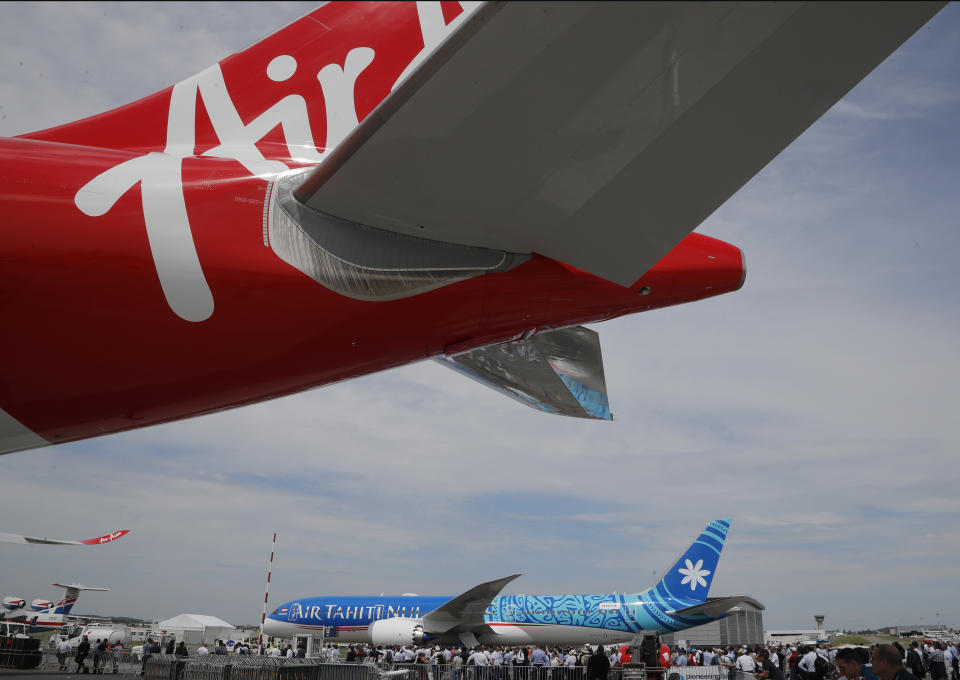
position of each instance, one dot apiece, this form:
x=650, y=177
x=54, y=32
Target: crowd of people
x=938, y=660
x=100, y=653
x=506, y=663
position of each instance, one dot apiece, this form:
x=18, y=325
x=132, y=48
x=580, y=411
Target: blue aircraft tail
x=690, y=577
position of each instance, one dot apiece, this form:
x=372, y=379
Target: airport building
x=799, y=636
x=743, y=626
x=796, y=636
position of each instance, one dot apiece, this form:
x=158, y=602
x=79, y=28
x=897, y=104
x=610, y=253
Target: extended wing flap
x=466, y=610
x=557, y=372
x=713, y=607
x=599, y=134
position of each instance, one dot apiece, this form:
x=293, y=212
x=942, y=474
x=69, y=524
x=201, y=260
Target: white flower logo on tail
x=694, y=574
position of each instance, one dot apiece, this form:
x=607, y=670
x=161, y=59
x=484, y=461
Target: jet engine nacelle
x=14, y=603
x=40, y=605
x=398, y=631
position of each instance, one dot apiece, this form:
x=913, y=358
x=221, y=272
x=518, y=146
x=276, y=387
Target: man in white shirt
x=290, y=652
x=202, y=650
x=477, y=658
x=807, y=668
x=746, y=663
x=63, y=653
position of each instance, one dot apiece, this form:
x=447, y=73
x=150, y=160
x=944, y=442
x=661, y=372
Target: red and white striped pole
x=266, y=596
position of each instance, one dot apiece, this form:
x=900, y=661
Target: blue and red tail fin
x=65, y=604
x=692, y=574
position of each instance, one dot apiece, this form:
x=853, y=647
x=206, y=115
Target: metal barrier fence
x=252, y=667
x=123, y=663
x=459, y=672
x=700, y=672
x=18, y=657
x=18, y=651
x=244, y=667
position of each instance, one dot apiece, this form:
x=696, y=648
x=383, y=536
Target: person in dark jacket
x=915, y=661
x=768, y=669
x=100, y=656
x=82, y=650
x=181, y=650
x=598, y=665
x=169, y=648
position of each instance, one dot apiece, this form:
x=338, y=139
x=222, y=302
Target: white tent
x=195, y=628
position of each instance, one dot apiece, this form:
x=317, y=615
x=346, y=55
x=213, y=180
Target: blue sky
x=816, y=407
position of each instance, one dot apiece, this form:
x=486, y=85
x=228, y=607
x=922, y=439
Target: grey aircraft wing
x=464, y=613
x=598, y=134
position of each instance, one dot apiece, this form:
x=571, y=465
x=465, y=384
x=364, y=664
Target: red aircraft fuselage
x=91, y=343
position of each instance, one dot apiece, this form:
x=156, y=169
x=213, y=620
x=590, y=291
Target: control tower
x=821, y=635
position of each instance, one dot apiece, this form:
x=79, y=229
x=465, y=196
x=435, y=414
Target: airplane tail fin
x=70, y=597
x=692, y=574
x=286, y=99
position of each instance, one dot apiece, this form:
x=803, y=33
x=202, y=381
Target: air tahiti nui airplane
x=483, y=616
